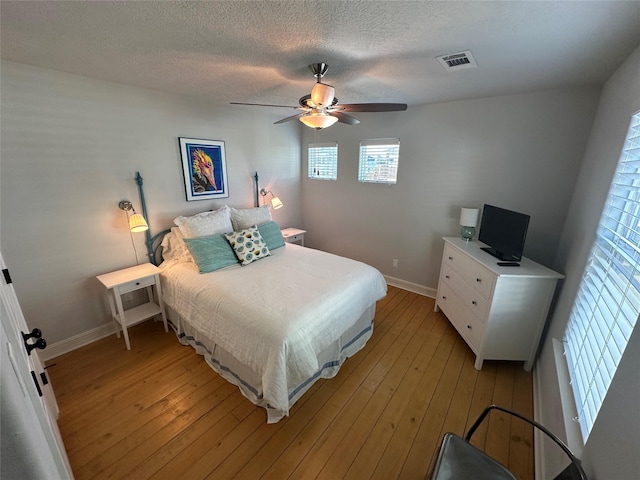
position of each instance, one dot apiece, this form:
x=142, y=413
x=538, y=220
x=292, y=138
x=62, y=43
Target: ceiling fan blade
x=293, y=117
x=371, y=107
x=261, y=105
x=344, y=118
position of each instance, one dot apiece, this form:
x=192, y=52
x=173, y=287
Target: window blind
x=607, y=305
x=323, y=161
x=379, y=160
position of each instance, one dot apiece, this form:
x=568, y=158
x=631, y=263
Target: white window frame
x=378, y=161
x=322, y=160
x=607, y=304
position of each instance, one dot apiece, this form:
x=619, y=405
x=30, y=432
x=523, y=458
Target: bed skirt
x=250, y=382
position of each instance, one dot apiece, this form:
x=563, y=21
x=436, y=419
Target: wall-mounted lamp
x=275, y=201
x=468, y=222
x=137, y=223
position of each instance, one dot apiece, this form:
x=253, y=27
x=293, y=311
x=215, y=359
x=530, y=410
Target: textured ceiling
x=258, y=51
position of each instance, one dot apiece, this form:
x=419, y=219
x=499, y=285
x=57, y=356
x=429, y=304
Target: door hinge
x=7, y=277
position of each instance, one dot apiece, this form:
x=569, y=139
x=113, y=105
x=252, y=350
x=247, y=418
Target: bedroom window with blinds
x=607, y=305
x=323, y=161
x=379, y=160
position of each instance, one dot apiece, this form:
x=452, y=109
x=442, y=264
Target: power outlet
x=395, y=263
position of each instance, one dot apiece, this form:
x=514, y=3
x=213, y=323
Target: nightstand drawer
x=293, y=235
x=137, y=284
x=295, y=238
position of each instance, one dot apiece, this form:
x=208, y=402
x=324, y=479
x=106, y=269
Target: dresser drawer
x=470, y=270
x=137, y=284
x=467, y=294
x=464, y=321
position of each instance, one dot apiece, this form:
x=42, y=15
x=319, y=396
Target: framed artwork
x=204, y=167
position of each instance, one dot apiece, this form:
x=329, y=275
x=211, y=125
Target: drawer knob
x=473, y=302
x=468, y=327
x=444, y=298
x=450, y=258
x=447, y=277
x=479, y=280
x=137, y=283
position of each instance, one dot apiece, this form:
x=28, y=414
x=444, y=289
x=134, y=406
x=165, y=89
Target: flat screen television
x=504, y=231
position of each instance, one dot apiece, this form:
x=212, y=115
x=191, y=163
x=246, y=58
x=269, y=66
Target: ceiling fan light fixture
x=318, y=120
x=322, y=95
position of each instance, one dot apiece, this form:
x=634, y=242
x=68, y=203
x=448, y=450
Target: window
x=323, y=161
x=379, y=160
x=608, y=301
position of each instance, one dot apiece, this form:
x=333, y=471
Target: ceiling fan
x=321, y=109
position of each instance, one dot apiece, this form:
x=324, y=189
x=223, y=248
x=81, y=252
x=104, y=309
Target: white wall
x=611, y=451
x=521, y=152
x=70, y=149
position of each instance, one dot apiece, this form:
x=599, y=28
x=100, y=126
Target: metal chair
x=458, y=459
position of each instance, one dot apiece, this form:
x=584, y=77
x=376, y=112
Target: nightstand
x=129, y=280
x=293, y=235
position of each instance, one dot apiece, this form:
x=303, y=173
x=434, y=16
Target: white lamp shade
x=318, y=120
x=276, y=203
x=322, y=95
x=137, y=223
x=469, y=217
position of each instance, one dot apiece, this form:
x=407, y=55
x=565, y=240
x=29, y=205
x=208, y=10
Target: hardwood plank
x=399, y=446
x=412, y=369
x=428, y=435
x=499, y=423
x=158, y=411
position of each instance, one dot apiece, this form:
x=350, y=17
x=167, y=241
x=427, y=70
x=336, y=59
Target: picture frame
x=204, y=168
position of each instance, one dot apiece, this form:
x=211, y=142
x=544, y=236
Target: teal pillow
x=211, y=252
x=271, y=234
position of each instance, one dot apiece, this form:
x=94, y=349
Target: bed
x=272, y=326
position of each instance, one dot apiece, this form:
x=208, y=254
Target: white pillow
x=174, y=248
x=247, y=217
x=205, y=223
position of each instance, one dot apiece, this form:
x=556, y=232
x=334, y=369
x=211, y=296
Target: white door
x=31, y=443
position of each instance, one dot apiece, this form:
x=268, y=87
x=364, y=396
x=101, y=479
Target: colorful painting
x=204, y=167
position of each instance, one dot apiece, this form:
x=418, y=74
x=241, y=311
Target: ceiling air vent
x=457, y=61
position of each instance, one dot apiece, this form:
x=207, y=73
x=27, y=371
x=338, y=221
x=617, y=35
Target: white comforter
x=276, y=314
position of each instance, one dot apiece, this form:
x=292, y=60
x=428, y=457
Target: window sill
x=569, y=410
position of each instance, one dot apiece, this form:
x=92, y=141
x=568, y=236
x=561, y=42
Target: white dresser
x=499, y=311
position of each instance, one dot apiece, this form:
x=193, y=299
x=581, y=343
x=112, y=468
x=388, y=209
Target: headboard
x=154, y=248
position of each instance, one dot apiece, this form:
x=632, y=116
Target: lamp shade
x=276, y=203
x=137, y=223
x=318, y=120
x=322, y=95
x=469, y=217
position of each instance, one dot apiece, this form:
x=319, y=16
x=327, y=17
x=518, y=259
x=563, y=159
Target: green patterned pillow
x=248, y=245
x=271, y=234
x=211, y=252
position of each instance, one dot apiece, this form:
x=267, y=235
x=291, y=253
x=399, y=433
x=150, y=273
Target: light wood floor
x=158, y=411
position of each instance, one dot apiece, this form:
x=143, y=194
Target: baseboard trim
x=538, y=444
x=411, y=287
x=77, y=341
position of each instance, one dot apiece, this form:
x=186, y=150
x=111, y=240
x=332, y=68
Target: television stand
x=499, y=312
